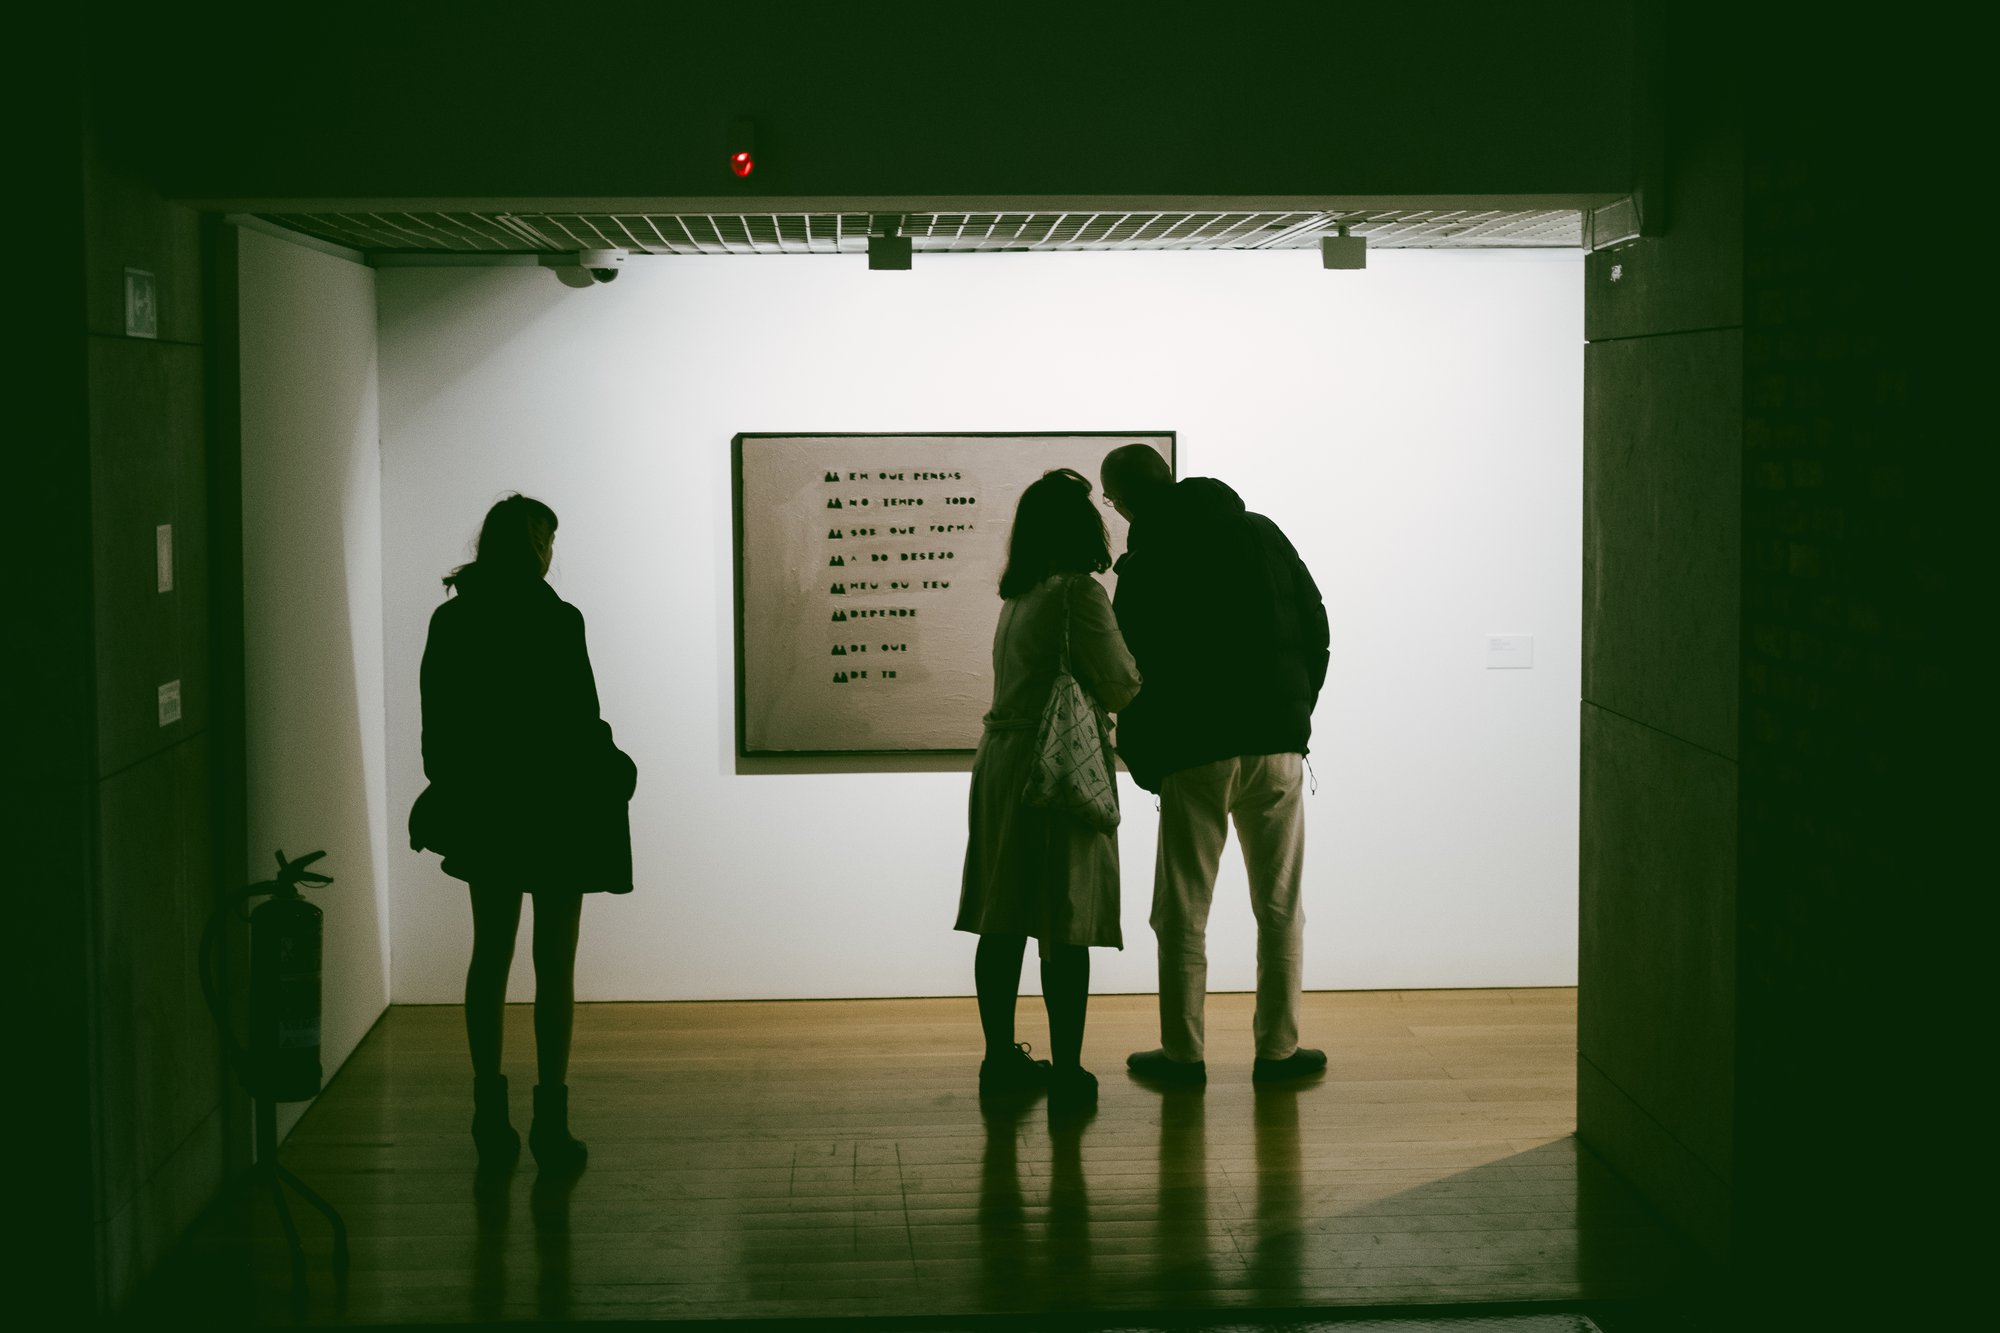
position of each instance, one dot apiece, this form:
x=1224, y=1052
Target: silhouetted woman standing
x=1029, y=871
x=528, y=796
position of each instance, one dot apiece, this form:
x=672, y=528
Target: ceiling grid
x=522, y=233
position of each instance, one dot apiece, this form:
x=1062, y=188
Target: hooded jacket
x=1228, y=630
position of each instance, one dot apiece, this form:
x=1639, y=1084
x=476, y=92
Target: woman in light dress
x=1032, y=872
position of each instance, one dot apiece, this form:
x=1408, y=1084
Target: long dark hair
x=1057, y=530
x=516, y=534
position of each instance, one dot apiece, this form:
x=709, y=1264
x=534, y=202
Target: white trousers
x=1261, y=794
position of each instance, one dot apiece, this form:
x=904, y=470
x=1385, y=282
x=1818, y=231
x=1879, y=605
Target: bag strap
x=1062, y=662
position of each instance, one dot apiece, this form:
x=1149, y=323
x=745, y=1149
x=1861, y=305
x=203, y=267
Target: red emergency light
x=741, y=162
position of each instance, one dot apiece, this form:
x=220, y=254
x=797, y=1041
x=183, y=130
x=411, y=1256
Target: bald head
x=1133, y=473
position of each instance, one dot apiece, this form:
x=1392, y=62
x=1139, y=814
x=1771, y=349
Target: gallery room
x=1414, y=426
x=1535, y=372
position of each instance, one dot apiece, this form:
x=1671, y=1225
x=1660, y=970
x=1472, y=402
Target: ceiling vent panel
x=526, y=233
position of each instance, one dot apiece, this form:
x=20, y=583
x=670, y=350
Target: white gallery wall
x=1416, y=428
x=312, y=590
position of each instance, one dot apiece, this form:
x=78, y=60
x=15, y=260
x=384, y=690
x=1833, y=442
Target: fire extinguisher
x=282, y=1062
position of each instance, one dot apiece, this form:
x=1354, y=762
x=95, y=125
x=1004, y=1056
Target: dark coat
x=527, y=790
x=1228, y=629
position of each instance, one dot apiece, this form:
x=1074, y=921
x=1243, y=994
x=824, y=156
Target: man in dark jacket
x=1230, y=637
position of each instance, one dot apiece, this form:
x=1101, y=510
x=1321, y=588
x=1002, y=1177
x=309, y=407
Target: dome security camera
x=601, y=265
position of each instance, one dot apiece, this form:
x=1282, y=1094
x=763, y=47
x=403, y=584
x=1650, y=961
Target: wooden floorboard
x=813, y=1159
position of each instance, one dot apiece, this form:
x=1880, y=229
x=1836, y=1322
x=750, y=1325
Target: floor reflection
x=548, y=1205
x=492, y=1210
x=1002, y=1214
x=1186, y=1258
x=1023, y=1265
x=1277, y=1252
x=1070, y=1267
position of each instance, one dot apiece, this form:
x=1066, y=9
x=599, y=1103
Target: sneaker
x=1299, y=1064
x=1158, y=1067
x=1013, y=1073
x=1072, y=1090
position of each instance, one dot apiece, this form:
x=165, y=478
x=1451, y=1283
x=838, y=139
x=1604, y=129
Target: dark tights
x=996, y=974
x=496, y=920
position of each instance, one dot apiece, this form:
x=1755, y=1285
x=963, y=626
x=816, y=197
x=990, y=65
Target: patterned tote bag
x=1071, y=772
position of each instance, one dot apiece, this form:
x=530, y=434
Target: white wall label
x=163, y=555
x=1509, y=650
x=142, y=304
x=170, y=703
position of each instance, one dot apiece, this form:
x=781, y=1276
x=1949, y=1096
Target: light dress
x=1029, y=871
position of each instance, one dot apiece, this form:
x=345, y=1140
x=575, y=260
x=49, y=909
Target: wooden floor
x=786, y=1159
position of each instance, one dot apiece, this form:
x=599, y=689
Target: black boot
x=549, y=1136
x=1072, y=1089
x=499, y=1143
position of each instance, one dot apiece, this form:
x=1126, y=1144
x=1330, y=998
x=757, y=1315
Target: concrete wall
x=312, y=575
x=1416, y=428
x=50, y=757
x=1663, y=438
x=1866, y=857
x=160, y=1117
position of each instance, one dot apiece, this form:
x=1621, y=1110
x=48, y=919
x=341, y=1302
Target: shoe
x=1158, y=1067
x=549, y=1137
x=1012, y=1074
x=1072, y=1089
x=499, y=1143
x=1299, y=1064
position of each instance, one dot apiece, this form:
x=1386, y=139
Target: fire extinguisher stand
x=277, y=1176
x=282, y=1061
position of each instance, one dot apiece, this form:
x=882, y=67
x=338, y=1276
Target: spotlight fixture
x=888, y=252
x=1343, y=251
x=887, y=248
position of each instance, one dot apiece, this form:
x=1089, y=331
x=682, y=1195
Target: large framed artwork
x=867, y=581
